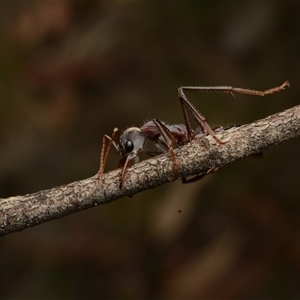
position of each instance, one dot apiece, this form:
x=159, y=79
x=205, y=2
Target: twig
x=199, y=156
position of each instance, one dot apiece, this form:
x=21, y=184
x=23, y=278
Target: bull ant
x=167, y=137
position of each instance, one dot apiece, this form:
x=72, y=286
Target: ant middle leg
x=189, y=110
x=168, y=141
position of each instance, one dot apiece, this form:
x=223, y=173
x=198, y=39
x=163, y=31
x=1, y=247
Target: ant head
x=132, y=142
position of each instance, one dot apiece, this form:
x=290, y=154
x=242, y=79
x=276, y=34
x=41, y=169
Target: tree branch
x=199, y=156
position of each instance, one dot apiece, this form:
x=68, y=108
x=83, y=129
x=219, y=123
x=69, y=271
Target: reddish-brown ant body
x=167, y=137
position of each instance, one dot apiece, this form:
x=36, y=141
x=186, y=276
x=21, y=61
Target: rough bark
x=199, y=156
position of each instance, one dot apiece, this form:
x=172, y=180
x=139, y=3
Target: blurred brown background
x=71, y=72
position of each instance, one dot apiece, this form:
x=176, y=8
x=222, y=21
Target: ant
x=167, y=137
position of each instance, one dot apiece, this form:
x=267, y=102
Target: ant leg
x=259, y=93
x=231, y=90
x=102, y=164
x=199, y=118
x=104, y=154
x=187, y=109
x=169, y=141
x=199, y=176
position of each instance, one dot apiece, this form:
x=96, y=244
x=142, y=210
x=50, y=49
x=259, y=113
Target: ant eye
x=128, y=146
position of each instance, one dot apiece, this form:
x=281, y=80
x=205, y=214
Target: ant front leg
x=104, y=154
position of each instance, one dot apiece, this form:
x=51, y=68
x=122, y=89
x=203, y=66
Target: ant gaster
x=167, y=137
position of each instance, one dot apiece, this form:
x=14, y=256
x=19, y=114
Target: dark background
x=71, y=72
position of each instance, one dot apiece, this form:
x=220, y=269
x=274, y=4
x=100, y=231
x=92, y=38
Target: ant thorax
x=177, y=133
